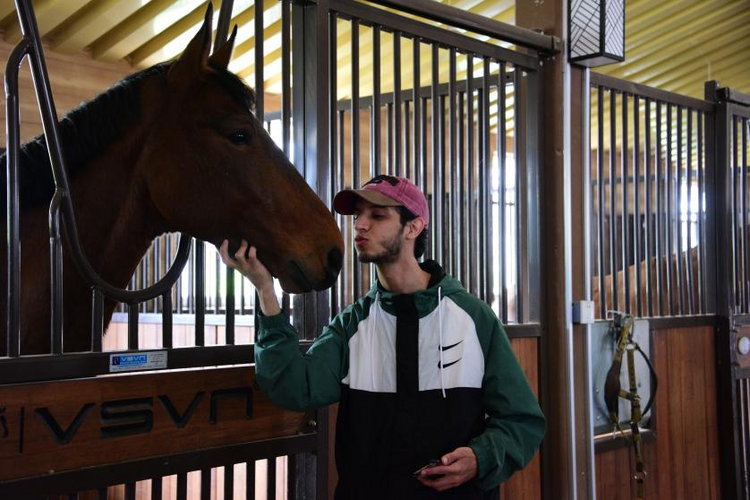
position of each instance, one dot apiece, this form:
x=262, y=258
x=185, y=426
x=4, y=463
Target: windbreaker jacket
x=417, y=376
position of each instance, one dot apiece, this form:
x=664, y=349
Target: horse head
x=237, y=184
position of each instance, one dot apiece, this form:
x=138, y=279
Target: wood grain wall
x=683, y=460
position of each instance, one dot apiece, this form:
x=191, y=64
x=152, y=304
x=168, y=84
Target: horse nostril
x=334, y=261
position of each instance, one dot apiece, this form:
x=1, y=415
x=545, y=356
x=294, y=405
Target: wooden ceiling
x=674, y=45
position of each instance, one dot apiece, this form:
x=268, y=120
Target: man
x=423, y=370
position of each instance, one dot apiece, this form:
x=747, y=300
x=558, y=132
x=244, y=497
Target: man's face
x=380, y=235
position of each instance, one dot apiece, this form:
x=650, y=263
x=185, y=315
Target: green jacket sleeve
x=515, y=424
x=297, y=381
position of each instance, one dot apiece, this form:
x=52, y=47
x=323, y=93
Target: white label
x=153, y=360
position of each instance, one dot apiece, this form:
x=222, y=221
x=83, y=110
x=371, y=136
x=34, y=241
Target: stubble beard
x=390, y=253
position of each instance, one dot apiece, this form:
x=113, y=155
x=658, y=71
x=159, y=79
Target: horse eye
x=240, y=137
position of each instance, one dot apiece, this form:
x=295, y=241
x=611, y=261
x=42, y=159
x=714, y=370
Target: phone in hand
x=431, y=463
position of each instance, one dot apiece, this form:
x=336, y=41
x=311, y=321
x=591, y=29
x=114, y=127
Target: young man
x=422, y=369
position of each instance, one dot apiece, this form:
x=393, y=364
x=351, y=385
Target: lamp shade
x=597, y=31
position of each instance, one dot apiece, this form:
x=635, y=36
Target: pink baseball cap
x=386, y=191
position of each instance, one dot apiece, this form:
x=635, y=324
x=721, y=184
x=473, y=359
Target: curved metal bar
x=12, y=144
x=56, y=273
x=49, y=122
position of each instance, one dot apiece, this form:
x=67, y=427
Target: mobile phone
x=431, y=463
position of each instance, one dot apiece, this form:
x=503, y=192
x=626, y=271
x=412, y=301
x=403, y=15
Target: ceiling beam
x=90, y=23
x=49, y=15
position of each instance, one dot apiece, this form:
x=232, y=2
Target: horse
x=173, y=148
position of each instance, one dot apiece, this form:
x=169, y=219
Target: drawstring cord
x=372, y=341
x=440, y=321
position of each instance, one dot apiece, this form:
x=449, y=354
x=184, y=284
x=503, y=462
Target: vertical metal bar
x=416, y=99
x=205, y=484
x=355, y=132
x=56, y=275
x=689, y=222
x=502, y=153
x=130, y=491
x=166, y=320
x=156, y=486
x=600, y=193
x=259, y=61
x=678, y=213
x=346, y=283
x=132, y=326
x=743, y=175
x=217, y=286
x=455, y=249
x=519, y=141
x=669, y=215
x=463, y=227
x=229, y=482
x=422, y=177
x=101, y=494
x=389, y=138
x=485, y=211
x=471, y=283
x=407, y=140
x=250, y=480
x=97, y=322
x=375, y=146
x=286, y=84
x=437, y=232
x=736, y=238
x=647, y=185
x=333, y=140
x=182, y=486
x=444, y=241
x=659, y=241
x=13, y=208
x=613, y=197
x=200, y=293
x=701, y=215
x=637, y=203
x=271, y=478
x=230, y=312
x=397, y=108
x=222, y=28
x=625, y=227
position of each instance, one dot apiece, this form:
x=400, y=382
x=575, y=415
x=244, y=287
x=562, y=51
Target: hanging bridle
x=622, y=325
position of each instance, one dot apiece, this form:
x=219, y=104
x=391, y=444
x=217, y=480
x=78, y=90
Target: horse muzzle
x=300, y=278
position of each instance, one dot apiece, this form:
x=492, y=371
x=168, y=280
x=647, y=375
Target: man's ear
x=415, y=228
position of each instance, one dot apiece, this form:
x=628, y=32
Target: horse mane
x=86, y=131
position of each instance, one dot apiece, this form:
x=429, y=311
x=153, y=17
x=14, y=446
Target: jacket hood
x=425, y=300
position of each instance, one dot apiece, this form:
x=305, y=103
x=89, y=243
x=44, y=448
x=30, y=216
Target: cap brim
x=346, y=201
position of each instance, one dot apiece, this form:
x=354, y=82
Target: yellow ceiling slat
x=737, y=55
x=179, y=27
x=728, y=69
x=658, y=55
x=702, y=12
x=49, y=15
x=90, y=24
x=130, y=33
x=8, y=10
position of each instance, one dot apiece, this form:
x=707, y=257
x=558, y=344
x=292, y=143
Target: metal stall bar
x=637, y=203
x=669, y=212
x=397, y=107
x=485, y=208
x=745, y=264
x=678, y=214
x=625, y=226
x=501, y=165
x=389, y=138
x=335, y=179
x=455, y=248
x=356, y=279
x=471, y=275
x=701, y=216
x=375, y=146
x=259, y=63
x=689, y=222
x=437, y=232
x=737, y=290
x=463, y=226
x=443, y=180
x=659, y=210
x=647, y=239
x=600, y=199
x=613, y=198
x=199, y=293
x=417, y=101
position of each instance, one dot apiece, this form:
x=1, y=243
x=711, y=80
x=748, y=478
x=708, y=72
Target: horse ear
x=223, y=54
x=195, y=56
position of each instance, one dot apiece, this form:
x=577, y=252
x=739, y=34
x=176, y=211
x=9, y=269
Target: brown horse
x=173, y=148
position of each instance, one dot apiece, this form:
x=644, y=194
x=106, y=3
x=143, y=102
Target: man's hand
x=455, y=469
x=247, y=263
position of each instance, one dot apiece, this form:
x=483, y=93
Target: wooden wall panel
x=683, y=460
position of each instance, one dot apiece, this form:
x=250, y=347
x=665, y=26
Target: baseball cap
x=387, y=191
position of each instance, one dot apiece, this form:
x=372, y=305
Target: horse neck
x=116, y=218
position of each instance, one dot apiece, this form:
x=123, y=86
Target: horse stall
x=142, y=386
